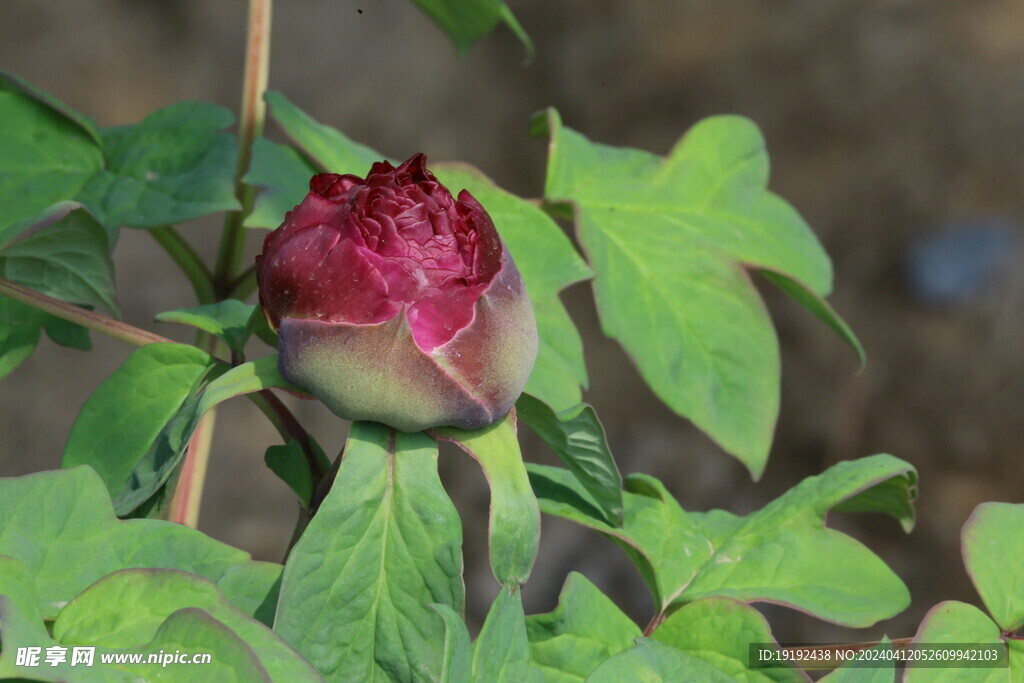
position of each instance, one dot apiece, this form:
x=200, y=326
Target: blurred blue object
x=958, y=261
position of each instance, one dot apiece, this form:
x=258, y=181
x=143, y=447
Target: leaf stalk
x=97, y=322
x=250, y=126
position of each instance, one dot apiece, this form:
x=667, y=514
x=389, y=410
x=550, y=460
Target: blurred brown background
x=885, y=119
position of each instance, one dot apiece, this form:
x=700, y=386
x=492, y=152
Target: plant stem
x=250, y=125
x=188, y=494
x=96, y=322
x=185, y=505
x=244, y=284
x=289, y=429
x=188, y=260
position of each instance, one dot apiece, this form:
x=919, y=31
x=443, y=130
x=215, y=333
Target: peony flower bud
x=395, y=302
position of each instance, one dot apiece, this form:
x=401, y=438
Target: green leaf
x=282, y=176
x=289, y=463
x=19, y=333
x=669, y=239
x=457, y=665
x=852, y=672
x=67, y=333
x=502, y=654
x=192, y=630
x=17, y=586
x=578, y=438
x=993, y=550
x=61, y=525
x=246, y=378
x=782, y=553
x=67, y=257
x=513, y=531
x=585, y=629
x=819, y=307
x=21, y=625
x=830, y=574
x=253, y=588
x=548, y=263
x=15, y=84
x=227, y=320
x=120, y=421
x=128, y=607
x=327, y=147
x=383, y=545
x=720, y=631
x=174, y=166
x=165, y=453
x=47, y=153
x=653, y=662
x=466, y=21
x=963, y=624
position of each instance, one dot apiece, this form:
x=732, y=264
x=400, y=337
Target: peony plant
x=420, y=318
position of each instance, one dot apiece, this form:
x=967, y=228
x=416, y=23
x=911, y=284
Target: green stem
x=244, y=284
x=290, y=430
x=96, y=322
x=188, y=260
x=185, y=506
x=188, y=494
x=250, y=126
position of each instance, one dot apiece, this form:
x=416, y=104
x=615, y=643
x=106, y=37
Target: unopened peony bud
x=396, y=303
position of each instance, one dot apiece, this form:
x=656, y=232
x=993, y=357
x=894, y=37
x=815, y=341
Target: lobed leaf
x=227, y=320
x=130, y=606
x=993, y=550
x=164, y=454
x=720, y=631
x=67, y=333
x=585, y=629
x=782, y=553
x=19, y=333
x=190, y=630
x=63, y=253
x=66, y=256
x=384, y=544
x=654, y=661
x=457, y=664
x=502, y=654
x=669, y=239
x=578, y=438
x=329, y=149
x=57, y=522
x=175, y=165
x=15, y=84
x=513, y=531
x=282, y=176
x=124, y=415
x=963, y=624
x=851, y=672
x=47, y=153
x=288, y=462
x=466, y=21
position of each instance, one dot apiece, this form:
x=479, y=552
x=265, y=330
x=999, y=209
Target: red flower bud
x=397, y=303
